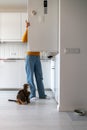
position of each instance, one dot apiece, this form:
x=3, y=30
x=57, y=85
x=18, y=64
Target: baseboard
x=48, y=89
x=14, y=89
x=9, y=89
x=65, y=108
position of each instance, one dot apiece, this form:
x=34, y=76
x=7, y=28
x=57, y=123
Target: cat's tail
x=12, y=100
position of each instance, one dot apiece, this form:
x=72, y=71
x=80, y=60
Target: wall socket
x=13, y=53
x=72, y=50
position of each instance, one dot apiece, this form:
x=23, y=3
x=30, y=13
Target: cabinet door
x=10, y=26
x=24, y=16
x=12, y=74
x=0, y=26
x=43, y=30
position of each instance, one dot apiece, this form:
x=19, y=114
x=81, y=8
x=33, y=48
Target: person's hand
x=27, y=24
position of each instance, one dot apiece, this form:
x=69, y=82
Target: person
x=33, y=66
x=23, y=95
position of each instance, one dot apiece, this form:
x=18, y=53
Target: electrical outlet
x=13, y=53
x=72, y=50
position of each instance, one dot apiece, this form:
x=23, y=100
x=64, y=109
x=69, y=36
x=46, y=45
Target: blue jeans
x=33, y=66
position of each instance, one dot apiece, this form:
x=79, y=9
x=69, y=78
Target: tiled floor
x=39, y=115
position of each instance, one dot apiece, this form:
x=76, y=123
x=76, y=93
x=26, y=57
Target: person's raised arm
x=25, y=35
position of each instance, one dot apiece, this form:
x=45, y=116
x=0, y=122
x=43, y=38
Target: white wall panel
x=43, y=32
x=73, y=66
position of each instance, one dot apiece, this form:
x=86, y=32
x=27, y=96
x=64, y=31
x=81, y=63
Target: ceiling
x=13, y=5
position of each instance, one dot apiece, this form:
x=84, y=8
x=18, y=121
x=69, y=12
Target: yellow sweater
x=24, y=40
x=25, y=36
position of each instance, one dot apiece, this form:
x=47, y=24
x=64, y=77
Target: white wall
x=73, y=67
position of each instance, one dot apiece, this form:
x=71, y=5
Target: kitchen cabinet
x=11, y=26
x=46, y=69
x=53, y=75
x=13, y=74
x=13, y=6
x=24, y=16
x=13, y=50
x=57, y=78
